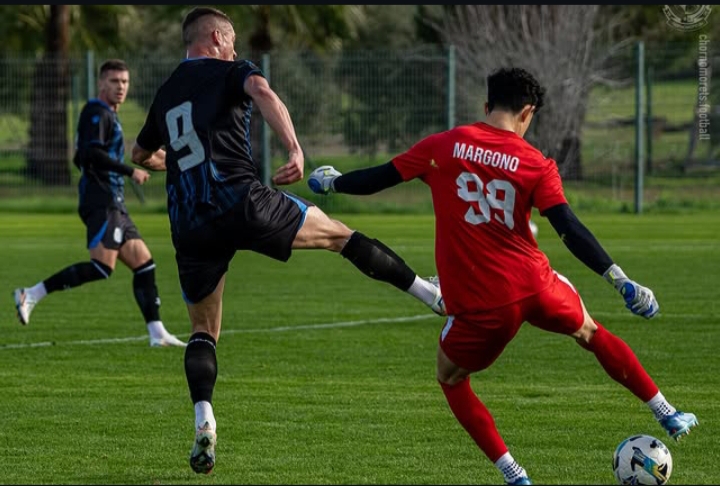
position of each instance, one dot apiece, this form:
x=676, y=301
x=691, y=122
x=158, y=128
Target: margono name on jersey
x=487, y=157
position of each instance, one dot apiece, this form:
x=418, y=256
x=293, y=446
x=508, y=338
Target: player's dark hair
x=113, y=65
x=188, y=32
x=513, y=88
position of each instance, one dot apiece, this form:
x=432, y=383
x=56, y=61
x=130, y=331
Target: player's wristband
x=615, y=276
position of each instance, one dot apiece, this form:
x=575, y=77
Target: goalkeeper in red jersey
x=485, y=179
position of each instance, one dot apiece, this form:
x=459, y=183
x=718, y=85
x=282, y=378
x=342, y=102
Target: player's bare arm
x=277, y=116
x=154, y=161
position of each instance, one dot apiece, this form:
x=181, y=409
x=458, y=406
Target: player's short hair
x=513, y=88
x=190, y=24
x=113, y=65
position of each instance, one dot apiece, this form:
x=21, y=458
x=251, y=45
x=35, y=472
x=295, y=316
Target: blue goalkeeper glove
x=321, y=179
x=640, y=300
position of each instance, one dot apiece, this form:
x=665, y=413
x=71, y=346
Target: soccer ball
x=642, y=459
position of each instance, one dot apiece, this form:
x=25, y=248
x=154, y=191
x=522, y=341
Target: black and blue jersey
x=99, y=187
x=201, y=116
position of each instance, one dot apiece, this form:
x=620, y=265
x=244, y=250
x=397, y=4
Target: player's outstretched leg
x=72, y=276
x=621, y=364
x=379, y=262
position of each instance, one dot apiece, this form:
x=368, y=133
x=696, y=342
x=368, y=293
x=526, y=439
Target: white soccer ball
x=642, y=459
x=533, y=229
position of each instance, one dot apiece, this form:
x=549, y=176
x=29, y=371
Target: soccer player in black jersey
x=111, y=234
x=199, y=121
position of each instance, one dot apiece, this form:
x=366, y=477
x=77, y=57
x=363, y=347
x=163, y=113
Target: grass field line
x=225, y=332
x=331, y=325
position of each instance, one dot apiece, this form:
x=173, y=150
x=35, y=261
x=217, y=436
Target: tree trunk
x=562, y=45
x=568, y=159
x=569, y=156
x=49, y=148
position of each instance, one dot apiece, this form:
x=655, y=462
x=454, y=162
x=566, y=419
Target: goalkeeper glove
x=640, y=300
x=321, y=179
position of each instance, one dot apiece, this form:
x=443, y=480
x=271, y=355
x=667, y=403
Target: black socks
x=76, y=275
x=145, y=290
x=201, y=366
x=377, y=261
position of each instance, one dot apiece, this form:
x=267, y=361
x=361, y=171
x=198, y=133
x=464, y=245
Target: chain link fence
x=358, y=109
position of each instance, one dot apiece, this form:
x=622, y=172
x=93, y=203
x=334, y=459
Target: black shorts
x=111, y=227
x=266, y=221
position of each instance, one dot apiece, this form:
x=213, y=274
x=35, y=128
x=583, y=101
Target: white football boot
x=24, y=303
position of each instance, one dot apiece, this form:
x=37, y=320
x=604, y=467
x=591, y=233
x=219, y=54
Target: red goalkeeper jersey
x=484, y=183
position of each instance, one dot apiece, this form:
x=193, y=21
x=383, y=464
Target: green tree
x=48, y=32
x=294, y=35
x=48, y=150
x=395, y=85
x=314, y=28
x=568, y=48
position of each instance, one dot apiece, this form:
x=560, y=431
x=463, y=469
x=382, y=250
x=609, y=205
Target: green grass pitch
x=327, y=377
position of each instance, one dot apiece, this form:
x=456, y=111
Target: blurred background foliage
x=364, y=81
x=154, y=30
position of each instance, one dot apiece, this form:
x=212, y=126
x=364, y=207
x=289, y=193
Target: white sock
x=660, y=407
x=38, y=292
x=156, y=329
x=510, y=469
x=204, y=413
x=423, y=290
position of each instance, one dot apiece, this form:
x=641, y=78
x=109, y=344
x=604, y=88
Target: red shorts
x=475, y=341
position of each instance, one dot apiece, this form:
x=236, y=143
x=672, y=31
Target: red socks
x=614, y=355
x=620, y=362
x=475, y=418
